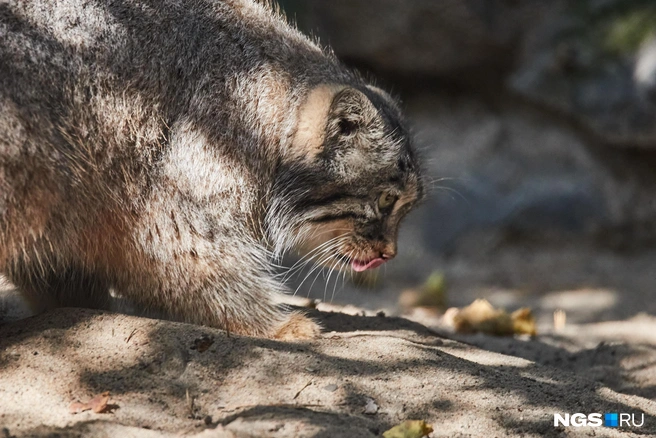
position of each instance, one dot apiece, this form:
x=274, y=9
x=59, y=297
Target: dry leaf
x=481, y=316
x=97, y=404
x=409, y=429
x=523, y=322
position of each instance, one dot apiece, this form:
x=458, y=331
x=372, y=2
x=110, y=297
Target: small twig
x=130, y=336
x=190, y=403
x=226, y=322
x=301, y=390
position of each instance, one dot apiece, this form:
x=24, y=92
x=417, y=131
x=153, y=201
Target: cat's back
x=90, y=88
x=87, y=89
x=61, y=58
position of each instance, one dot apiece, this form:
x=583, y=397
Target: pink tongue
x=359, y=266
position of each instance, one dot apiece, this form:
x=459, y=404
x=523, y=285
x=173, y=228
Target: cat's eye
x=386, y=200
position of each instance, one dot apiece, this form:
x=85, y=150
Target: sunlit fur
x=172, y=151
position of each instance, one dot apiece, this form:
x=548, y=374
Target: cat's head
x=349, y=179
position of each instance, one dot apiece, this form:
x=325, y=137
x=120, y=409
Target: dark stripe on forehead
x=337, y=216
x=331, y=199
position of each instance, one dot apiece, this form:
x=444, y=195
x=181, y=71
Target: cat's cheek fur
x=319, y=234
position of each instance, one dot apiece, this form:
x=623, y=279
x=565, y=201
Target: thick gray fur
x=147, y=146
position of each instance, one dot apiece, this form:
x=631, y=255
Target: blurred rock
x=504, y=169
x=595, y=61
x=423, y=37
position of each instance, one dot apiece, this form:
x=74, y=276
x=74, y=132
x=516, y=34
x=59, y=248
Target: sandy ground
x=464, y=386
x=416, y=367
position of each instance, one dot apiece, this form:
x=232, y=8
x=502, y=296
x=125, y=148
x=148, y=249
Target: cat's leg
x=196, y=256
x=214, y=283
x=297, y=326
x=236, y=301
x=44, y=287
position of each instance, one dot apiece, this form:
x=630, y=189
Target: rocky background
x=537, y=122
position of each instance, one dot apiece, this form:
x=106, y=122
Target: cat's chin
x=363, y=265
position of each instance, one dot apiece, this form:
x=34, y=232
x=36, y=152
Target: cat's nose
x=388, y=255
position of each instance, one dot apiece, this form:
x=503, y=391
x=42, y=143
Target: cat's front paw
x=297, y=327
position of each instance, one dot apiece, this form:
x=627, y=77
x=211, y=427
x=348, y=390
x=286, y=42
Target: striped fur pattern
x=174, y=150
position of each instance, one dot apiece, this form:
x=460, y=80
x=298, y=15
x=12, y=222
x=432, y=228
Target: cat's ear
x=329, y=112
x=350, y=110
x=313, y=117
